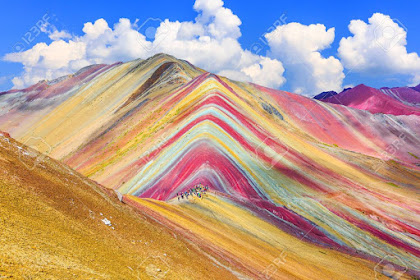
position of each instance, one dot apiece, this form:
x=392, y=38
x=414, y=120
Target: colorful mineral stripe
x=331, y=178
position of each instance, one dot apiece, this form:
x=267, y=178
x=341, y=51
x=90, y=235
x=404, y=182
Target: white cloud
x=210, y=42
x=47, y=61
x=57, y=35
x=94, y=30
x=99, y=44
x=298, y=47
x=379, y=48
x=220, y=21
x=415, y=80
x=266, y=72
x=262, y=71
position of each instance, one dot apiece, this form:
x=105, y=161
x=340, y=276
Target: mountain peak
x=325, y=94
x=163, y=56
x=362, y=86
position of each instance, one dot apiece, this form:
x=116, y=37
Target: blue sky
x=18, y=17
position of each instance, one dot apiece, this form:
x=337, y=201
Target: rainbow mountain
x=299, y=188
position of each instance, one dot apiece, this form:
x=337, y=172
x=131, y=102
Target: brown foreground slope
x=51, y=227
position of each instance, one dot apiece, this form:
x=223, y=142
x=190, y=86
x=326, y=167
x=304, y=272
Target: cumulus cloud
x=268, y=71
x=220, y=21
x=210, y=42
x=378, y=47
x=57, y=35
x=99, y=44
x=298, y=47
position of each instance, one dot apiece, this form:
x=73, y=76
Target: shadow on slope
x=57, y=224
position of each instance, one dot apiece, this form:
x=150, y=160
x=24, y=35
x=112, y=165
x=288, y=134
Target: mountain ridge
x=304, y=170
x=395, y=101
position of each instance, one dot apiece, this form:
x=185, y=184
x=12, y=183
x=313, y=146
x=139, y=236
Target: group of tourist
x=198, y=190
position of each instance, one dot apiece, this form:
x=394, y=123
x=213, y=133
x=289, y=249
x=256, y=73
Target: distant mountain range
x=395, y=101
